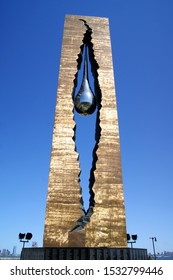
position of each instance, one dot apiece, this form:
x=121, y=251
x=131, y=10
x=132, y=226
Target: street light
x=134, y=238
x=27, y=237
x=154, y=240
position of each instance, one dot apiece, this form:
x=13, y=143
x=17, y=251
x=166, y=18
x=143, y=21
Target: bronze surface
x=107, y=227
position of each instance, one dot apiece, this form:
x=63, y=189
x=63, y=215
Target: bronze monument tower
x=86, y=40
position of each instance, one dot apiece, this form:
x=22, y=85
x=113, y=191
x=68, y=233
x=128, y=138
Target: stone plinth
x=83, y=254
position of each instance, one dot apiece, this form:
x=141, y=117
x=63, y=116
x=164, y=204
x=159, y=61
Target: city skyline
x=142, y=43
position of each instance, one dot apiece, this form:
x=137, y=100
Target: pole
x=153, y=240
x=24, y=241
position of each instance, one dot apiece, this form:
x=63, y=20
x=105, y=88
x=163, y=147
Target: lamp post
x=27, y=237
x=134, y=238
x=154, y=240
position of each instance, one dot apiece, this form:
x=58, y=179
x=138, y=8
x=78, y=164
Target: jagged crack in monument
x=71, y=231
x=66, y=223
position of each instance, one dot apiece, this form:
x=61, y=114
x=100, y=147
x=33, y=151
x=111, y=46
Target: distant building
x=14, y=253
x=5, y=253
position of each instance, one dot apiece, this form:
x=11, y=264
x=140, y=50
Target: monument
x=72, y=232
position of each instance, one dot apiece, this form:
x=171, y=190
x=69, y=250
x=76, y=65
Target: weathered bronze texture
x=107, y=226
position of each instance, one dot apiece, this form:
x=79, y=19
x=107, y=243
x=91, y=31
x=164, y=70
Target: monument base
x=83, y=253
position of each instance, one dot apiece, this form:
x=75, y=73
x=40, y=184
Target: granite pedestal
x=83, y=253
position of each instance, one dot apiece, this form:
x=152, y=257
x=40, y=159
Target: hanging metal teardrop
x=85, y=100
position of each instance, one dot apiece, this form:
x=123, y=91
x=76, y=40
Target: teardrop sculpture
x=85, y=100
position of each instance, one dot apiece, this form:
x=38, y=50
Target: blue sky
x=142, y=44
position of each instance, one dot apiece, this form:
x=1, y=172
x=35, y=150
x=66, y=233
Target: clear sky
x=30, y=48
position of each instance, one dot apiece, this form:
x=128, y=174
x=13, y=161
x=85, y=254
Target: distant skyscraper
x=5, y=252
x=14, y=253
